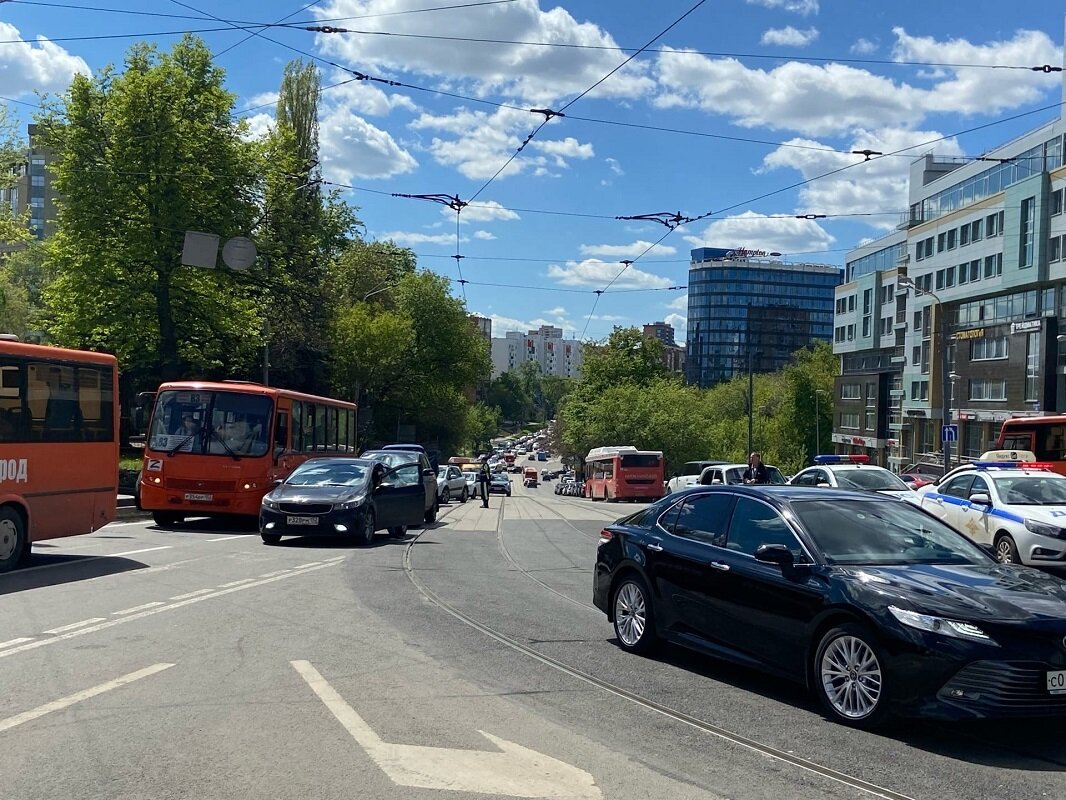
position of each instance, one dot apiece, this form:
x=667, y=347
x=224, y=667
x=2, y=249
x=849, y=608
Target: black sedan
x=348, y=497
x=875, y=605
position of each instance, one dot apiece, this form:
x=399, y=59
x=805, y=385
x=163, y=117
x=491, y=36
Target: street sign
x=239, y=253
x=200, y=250
x=949, y=433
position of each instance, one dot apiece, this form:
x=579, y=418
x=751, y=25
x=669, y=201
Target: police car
x=852, y=472
x=1019, y=507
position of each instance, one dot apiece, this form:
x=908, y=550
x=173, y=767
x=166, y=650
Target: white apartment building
x=544, y=346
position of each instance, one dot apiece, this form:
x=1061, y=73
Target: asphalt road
x=466, y=661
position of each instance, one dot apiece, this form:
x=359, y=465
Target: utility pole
x=751, y=386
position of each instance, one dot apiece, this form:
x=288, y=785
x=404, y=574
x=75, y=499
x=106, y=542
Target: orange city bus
x=1044, y=436
x=58, y=445
x=217, y=448
x=624, y=473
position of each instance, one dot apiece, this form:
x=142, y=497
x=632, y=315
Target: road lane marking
x=73, y=625
x=77, y=697
x=511, y=770
x=235, y=583
x=12, y=642
x=105, y=624
x=135, y=552
x=187, y=595
x=85, y=559
x=272, y=574
x=135, y=609
x=305, y=566
x=227, y=538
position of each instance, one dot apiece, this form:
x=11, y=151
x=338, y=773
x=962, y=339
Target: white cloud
x=259, y=125
x=615, y=167
x=502, y=324
x=759, y=232
x=593, y=272
x=863, y=47
x=562, y=149
x=408, y=238
x=833, y=98
x=608, y=317
x=484, y=236
x=789, y=36
x=353, y=148
x=679, y=322
x=535, y=74
x=679, y=303
x=801, y=7
x=262, y=99
x=44, y=67
x=879, y=185
x=482, y=211
x=362, y=97
x=558, y=311
x=634, y=250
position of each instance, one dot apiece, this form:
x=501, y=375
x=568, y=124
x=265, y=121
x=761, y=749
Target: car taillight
x=605, y=536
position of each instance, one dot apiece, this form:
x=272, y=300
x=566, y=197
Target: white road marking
x=187, y=595
x=305, y=566
x=105, y=624
x=73, y=625
x=77, y=697
x=88, y=558
x=272, y=574
x=512, y=770
x=235, y=583
x=135, y=609
x=12, y=642
x=227, y=538
x=135, y=552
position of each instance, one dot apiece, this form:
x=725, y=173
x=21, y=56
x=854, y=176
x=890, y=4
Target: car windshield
x=392, y=458
x=1032, y=490
x=470, y=476
x=736, y=475
x=870, y=480
x=332, y=473
x=210, y=423
x=883, y=532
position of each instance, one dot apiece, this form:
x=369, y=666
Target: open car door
x=400, y=497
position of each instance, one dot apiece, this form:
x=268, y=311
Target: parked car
x=852, y=472
x=917, y=480
x=432, y=456
x=690, y=474
x=529, y=478
x=542, y=455
x=451, y=483
x=397, y=457
x=732, y=474
x=500, y=484
x=473, y=488
x=338, y=497
x=878, y=607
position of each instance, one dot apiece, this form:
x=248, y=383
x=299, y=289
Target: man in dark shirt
x=756, y=471
x=484, y=478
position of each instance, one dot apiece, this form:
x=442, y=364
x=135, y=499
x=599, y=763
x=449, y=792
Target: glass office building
x=742, y=307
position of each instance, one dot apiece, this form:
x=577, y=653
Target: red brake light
x=1034, y=465
x=605, y=536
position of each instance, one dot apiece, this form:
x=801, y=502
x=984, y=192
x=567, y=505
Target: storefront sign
x=1026, y=326
x=860, y=441
x=974, y=333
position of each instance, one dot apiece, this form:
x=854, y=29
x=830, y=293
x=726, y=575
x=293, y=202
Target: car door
x=946, y=502
x=428, y=479
x=679, y=562
x=400, y=497
x=758, y=610
x=975, y=520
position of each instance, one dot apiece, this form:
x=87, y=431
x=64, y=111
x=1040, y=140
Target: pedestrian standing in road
x=756, y=472
x=484, y=478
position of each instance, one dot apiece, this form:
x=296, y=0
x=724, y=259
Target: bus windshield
x=210, y=423
x=640, y=460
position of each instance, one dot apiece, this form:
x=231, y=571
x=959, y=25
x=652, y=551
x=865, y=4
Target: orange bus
x=217, y=448
x=1045, y=436
x=58, y=445
x=624, y=473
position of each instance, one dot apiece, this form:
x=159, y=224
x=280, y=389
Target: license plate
x=197, y=497
x=302, y=520
x=1056, y=681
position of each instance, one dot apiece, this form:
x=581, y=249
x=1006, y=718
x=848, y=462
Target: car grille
x=1004, y=688
x=194, y=485
x=305, y=508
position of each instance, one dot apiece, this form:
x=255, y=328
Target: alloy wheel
x=630, y=614
x=851, y=677
x=1005, y=550
x=8, y=539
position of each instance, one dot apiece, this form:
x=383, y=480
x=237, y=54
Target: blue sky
x=798, y=76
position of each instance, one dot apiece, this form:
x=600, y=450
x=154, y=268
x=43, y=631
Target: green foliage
x=13, y=229
x=627, y=357
x=482, y=426
x=526, y=394
x=141, y=158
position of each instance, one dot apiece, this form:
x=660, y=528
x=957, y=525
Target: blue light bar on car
x=1011, y=464
x=837, y=459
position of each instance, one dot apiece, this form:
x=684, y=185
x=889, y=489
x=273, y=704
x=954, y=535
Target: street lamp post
x=908, y=283
x=817, y=421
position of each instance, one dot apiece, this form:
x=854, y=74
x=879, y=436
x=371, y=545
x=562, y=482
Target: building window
x=867, y=300
x=929, y=247
x=949, y=277
x=919, y=251
x=1032, y=367
x=851, y=333
x=838, y=334
x=941, y=238
x=849, y=421
x=871, y=395
x=964, y=235
x=919, y=390
x=865, y=326
x=1054, y=248
x=939, y=279
x=993, y=265
x=964, y=273
x=988, y=389
x=916, y=355
x=849, y=391
x=989, y=349
x=975, y=230
x=991, y=224
x=37, y=202
x=870, y=422
x=951, y=238
x=925, y=358
x=1028, y=226
x=975, y=270
x=1056, y=202
x=37, y=180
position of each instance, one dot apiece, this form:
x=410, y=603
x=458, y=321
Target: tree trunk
x=168, y=339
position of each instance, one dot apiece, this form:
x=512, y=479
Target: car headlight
x=1045, y=529
x=348, y=505
x=945, y=627
x=269, y=502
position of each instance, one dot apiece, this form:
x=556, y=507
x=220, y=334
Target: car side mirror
x=980, y=499
x=775, y=554
x=278, y=452
x=278, y=481
x=428, y=473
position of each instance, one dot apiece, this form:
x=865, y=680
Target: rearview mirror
x=980, y=499
x=775, y=554
x=428, y=473
x=277, y=454
x=278, y=481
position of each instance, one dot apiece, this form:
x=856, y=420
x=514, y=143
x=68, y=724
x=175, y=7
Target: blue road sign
x=949, y=433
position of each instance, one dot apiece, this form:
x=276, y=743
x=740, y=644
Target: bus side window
x=297, y=425
x=12, y=415
x=1018, y=441
x=343, y=415
x=311, y=428
x=1051, y=443
x=281, y=430
x=331, y=428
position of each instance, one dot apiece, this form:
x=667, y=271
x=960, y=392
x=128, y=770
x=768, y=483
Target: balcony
x=908, y=220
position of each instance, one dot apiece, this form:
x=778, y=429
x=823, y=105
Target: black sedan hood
x=287, y=493
x=968, y=592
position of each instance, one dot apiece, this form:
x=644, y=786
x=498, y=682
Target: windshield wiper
x=225, y=446
x=181, y=444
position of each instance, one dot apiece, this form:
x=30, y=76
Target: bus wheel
x=167, y=519
x=13, y=542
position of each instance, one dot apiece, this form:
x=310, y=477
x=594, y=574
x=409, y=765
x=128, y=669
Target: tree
x=553, y=391
x=482, y=425
x=627, y=357
x=508, y=394
x=13, y=228
x=142, y=157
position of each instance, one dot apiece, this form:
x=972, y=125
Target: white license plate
x=302, y=520
x=202, y=498
x=1056, y=681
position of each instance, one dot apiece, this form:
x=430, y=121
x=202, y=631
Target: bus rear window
x=640, y=461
